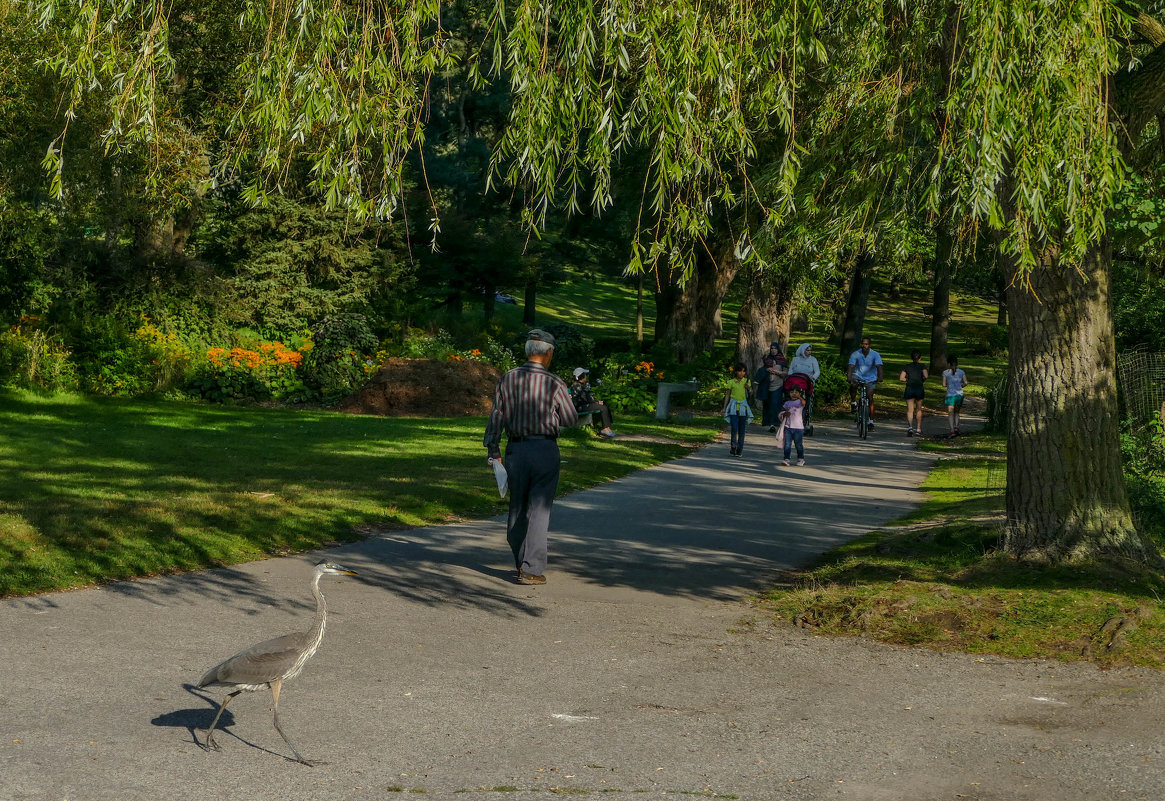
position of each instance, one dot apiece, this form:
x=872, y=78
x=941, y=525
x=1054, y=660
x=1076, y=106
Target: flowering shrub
x=32, y=359
x=497, y=354
x=630, y=383
x=117, y=360
x=421, y=344
x=269, y=372
x=166, y=353
x=372, y=363
x=336, y=363
x=439, y=345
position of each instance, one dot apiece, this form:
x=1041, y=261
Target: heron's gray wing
x=259, y=664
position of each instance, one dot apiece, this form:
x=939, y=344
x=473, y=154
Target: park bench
x=666, y=390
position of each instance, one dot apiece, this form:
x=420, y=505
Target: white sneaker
x=785, y=463
x=800, y=463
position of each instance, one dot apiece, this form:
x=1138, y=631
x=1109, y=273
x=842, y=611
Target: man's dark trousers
x=533, y=466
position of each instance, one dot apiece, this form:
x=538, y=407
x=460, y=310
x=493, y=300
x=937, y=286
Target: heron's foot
x=210, y=743
x=311, y=763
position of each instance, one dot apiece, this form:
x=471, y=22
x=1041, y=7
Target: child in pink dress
x=793, y=415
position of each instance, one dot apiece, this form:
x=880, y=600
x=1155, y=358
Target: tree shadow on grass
x=704, y=527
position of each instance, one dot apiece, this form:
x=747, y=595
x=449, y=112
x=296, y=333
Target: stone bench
x=664, y=393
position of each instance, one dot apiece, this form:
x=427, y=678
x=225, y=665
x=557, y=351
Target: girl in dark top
x=914, y=374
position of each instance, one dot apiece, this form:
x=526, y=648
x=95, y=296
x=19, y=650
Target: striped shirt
x=530, y=401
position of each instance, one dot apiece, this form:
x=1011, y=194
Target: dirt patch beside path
x=426, y=388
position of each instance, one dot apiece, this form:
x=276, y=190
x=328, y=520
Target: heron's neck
x=317, y=631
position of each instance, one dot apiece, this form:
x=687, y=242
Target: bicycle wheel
x=863, y=418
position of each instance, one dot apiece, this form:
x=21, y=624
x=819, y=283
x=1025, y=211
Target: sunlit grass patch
x=94, y=490
x=936, y=579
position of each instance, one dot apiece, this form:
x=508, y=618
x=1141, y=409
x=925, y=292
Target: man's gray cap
x=538, y=335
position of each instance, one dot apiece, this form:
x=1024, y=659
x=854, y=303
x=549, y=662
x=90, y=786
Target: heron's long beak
x=349, y=572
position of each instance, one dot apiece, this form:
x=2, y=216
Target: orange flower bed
x=269, y=353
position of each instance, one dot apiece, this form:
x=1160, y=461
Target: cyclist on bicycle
x=865, y=367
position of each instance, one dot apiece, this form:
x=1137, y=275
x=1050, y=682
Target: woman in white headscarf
x=805, y=362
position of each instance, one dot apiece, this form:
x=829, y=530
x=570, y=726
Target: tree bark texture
x=765, y=317
x=489, y=302
x=850, y=333
x=688, y=317
x=940, y=310
x=530, y=303
x=1139, y=94
x=1066, y=496
x=639, y=310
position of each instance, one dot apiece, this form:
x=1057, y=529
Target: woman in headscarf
x=805, y=362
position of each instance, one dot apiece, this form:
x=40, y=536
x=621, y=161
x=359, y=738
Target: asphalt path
x=642, y=667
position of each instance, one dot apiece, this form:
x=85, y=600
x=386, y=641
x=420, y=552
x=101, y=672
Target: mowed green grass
x=604, y=307
x=899, y=324
x=936, y=578
x=94, y=490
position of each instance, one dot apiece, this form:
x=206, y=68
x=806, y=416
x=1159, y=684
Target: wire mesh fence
x=1141, y=377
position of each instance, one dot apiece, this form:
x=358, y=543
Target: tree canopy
x=858, y=121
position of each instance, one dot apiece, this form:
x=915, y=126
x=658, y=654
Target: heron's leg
x=276, y=686
x=210, y=732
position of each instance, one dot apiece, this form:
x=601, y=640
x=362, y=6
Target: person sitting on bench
x=585, y=401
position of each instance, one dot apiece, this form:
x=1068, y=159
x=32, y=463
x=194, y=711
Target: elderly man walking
x=532, y=405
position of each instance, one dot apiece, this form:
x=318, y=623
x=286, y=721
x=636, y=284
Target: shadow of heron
x=198, y=719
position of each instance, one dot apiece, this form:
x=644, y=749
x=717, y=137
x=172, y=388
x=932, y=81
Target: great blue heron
x=271, y=662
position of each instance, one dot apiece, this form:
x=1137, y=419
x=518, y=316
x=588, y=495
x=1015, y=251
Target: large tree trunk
x=940, y=310
x=765, y=317
x=1066, y=495
x=489, y=302
x=688, y=317
x=1001, y=293
x=639, y=311
x=850, y=330
x=530, y=303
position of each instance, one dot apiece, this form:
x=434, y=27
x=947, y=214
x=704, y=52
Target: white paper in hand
x=502, y=476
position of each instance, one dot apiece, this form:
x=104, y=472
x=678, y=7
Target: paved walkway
x=640, y=667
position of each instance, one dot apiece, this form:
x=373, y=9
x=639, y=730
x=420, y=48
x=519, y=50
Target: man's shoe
x=785, y=463
x=529, y=578
x=800, y=463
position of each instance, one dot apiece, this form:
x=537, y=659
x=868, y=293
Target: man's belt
x=531, y=437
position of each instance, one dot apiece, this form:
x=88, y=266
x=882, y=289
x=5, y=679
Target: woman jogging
x=954, y=380
x=915, y=375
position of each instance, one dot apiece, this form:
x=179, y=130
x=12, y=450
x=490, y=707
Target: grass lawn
x=934, y=579
x=604, y=307
x=901, y=324
x=94, y=490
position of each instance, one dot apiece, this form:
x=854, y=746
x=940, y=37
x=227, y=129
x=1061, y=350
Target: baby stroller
x=804, y=383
